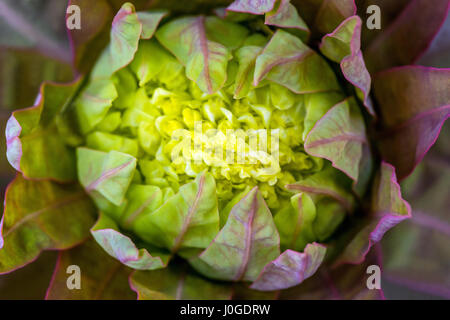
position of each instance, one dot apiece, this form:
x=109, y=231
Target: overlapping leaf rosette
x=224, y=150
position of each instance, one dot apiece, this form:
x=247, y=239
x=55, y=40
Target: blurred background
x=416, y=254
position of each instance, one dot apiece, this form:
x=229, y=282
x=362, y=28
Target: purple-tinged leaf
x=105, y=175
x=101, y=277
x=205, y=61
x=33, y=139
x=408, y=36
x=107, y=234
x=248, y=241
x=125, y=33
x=387, y=210
x=343, y=46
x=252, y=6
x=414, y=102
x=343, y=283
x=246, y=56
x=150, y=21
x=176, y=283
x=287, y=61
x=290, y=268
x=42, y=215
x=339, y=136
x=323, y=16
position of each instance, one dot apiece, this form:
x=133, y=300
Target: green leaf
x=227, y=33
x=246, y=57
x=317, y=105
x=205, y=60
x=42, y=215
x=107, y=234
x=150, y=21
x=189, y=219
x=286, y=60
x=101, y=277
x=339, y=137
x=328, y=182
x=248, y=241
x=33, y=139
x=290, y=268
x=105, y=175
x=177, y=283
x=94, y=102
x=295, y=222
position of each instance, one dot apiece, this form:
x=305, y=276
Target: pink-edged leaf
x=42, y=215
x=414, y=102
x=328, y=182
x=252, y=6
x=287, y=61
x=248, y=241
x=286, y=16
x=150, y=21
x=346, y=282
x=339, y=137
x=105, y=175
x=33, y=139
x=395, y=46
x=101, y=277
x=205, y=61
x=387, y=210
x=290, y=268
x=125, y=33
x=343, y=46
x=177, y=282
x=117, y=245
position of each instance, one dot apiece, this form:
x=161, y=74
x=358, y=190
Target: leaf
x=187, y=220
x=176, y=283
x=94, y=102
x=414, y=102
x=286, y=16
x=150, y=21
x=343, y=46
x=105, y=175
x=246, y=57
x=107, y=234
x=205, y=61
x=33, y=139
x=247, y=242
x=227, y=33
x=252, y=6
x=288, y=62
x=342, y=283
x=290, y=268
x=329, y=182
x=387, y=210
x=295, y=222
x=101, y=277
x=41, y=215
x=395, y=46
x=339, y=137
x=125, y=33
